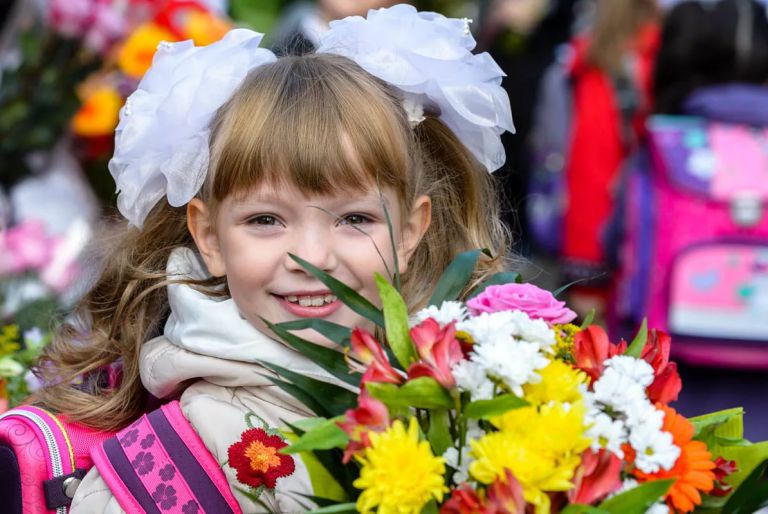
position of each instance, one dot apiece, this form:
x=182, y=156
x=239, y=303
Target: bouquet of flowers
x=499, y=404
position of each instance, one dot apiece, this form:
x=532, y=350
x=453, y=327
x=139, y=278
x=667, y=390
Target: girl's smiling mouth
x=306, y=304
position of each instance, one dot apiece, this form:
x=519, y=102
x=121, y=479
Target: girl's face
x=251, y=237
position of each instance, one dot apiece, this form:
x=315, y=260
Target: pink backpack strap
x=160, y=464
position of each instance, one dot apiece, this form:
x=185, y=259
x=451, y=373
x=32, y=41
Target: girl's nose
x=315, y=248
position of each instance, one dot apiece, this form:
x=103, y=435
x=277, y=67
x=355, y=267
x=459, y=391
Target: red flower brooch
x=257, y=459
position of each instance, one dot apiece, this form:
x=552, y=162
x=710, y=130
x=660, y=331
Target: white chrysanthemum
x=514, y=363
x=471, y=377
x=618, y=391
x=489, y=327
x=636, y=369
x=533, y=330
x=654, y=449
x=446, y=313
x=642, y=413
x=451, y=457
x=607, y=433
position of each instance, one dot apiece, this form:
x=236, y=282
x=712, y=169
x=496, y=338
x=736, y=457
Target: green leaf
x=582, y=509
x=456, y=277
x=747, y=459
x=637, y=500
x=396, y=322
x=330, y=360
x=706, y=424
x=337, y=333
x=430, y=507
x=390, y=229
x=484, y=409
x=336, y=509
x=420, y=393
x=439, y=435
x=752, y=495
x=335, y=400
x=297, y=392
x=497, y=279
x=567, y=286
x=588, y=319
x=346, y=294
x=638, y=344
x=325, y=436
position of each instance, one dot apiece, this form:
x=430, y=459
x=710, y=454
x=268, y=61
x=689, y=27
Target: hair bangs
x=318, y=123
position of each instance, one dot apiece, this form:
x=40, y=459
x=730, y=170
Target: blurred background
x=638, y=176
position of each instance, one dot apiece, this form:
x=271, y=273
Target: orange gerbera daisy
x=693, y=469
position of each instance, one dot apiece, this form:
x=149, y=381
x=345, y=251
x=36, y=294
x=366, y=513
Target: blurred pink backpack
x=694, y=257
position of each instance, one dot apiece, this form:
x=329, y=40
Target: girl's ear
x=203, y=229
x=414, y=228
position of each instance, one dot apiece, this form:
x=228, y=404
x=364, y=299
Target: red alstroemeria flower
x=505, y=496
x=438, y=349
x=666, y=383
x=591, y=348
x=370, y=415
x=723, y=469
x=368, y=351
x=257, y=459
x=598, y=475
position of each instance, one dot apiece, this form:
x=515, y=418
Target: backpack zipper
x=53, y=451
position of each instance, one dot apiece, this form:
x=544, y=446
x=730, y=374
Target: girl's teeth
x=311, y=301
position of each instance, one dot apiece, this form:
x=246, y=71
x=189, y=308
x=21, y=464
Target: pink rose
x=532, y=300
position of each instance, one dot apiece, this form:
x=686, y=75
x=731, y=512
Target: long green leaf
x=484, y=409
x=336, y=509
x=455, y=277
x=396, y=322
x=327, y=358
x=706, y=424
x=349, y=296
x=638, y=344
x=637, y=500
x=337, y=333
x=582, y=509
x=335, y=399
x=325, y=436
x=297, y=392
x=497, y=279
x=420, y=393
x=588, y=319
x=752, y=495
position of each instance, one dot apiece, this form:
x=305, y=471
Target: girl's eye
x=263, y=219
x=355, y=219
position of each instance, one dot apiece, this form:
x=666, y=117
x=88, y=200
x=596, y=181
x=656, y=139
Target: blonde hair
x=291, y=122
x=617, y=22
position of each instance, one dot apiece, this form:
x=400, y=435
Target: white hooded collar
x=207, y=338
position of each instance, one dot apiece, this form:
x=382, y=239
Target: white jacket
x=209, y=351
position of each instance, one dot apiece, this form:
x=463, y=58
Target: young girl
x=227, y=160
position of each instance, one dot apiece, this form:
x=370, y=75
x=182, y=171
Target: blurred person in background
x=712, y=69
x=298, y=31
x=610, y=75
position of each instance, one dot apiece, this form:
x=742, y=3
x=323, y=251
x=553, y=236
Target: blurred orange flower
x=693, y=470
x=138, y=50
x=98, y=116
x=204, y=28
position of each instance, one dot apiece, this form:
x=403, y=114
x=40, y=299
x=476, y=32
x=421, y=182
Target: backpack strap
x=160, y=463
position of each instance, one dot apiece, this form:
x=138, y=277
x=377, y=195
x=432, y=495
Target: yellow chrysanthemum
x=541, y=445
x=98, y=116
x=399, y=473
x=204, y=28
x=138, y=50
x=560, y=382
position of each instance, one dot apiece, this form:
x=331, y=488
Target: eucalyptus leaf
x=484, y=409
x=420, y=393
x=396, y=322
x=456, y=277
x=497, y=279
x=349, y=296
